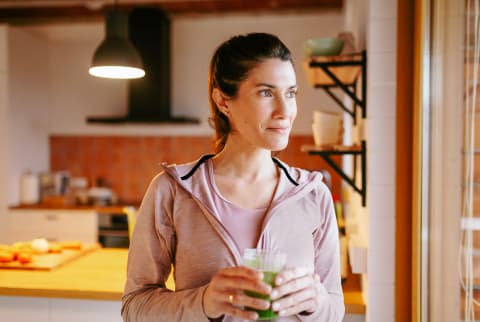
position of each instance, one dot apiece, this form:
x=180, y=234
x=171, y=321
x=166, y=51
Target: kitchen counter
x=110, y=209
x=352, y=294
x=100, y=275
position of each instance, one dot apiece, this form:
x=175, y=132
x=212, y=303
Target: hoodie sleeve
x=150, y=256
x=327, y=263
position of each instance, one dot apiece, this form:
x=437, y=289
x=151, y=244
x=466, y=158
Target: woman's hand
x=224, y=294
x=296, y=290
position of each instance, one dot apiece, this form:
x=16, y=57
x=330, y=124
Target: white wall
x=28, y=93
x=24, y=101
x=373, y=226
x=75, y=94
x=381, y=128
x=3, y=131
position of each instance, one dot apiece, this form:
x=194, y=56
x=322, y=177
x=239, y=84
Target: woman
x=201, y=216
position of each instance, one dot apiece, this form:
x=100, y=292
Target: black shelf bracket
x=349, y=89
x=362, y=153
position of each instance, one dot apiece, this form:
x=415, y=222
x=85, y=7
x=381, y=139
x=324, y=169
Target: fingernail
x=266, y=305
x=279, y=280
x=281, y=313
x=274, y=294
x=275, y=306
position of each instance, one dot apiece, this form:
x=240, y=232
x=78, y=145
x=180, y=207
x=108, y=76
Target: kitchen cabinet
x=343, y=72
x=354, y=318
x=54, y=225
x=27, y=309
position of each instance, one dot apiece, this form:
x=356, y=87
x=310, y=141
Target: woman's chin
x=278, y=145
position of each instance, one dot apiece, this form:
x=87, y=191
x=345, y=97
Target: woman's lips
x=279, y=129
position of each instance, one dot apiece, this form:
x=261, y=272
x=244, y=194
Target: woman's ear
x=221, y=101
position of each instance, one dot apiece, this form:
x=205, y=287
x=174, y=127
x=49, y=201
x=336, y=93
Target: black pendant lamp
x=116, y=57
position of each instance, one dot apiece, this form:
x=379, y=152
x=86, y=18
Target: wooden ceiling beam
x=51, y=14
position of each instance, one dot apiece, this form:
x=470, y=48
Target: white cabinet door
x=63, y=310
x=38, y=309
x=354, y=318
x=54, y=225
x=24, y=309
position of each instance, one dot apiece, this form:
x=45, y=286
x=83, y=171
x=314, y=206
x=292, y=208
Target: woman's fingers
x=242, y=299
x=244, y=271
x=233, y=304
x=291, y=274
x=305, y=306
x=244, y=279
x=225, y=293
x=297, y=291
x=303, y=300
x=292, y=281
x=228, y=305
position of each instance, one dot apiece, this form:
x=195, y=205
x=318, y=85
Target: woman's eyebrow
x=273, y=86
x=265, y=85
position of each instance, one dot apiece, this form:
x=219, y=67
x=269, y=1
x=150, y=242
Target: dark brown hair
x=230, y=65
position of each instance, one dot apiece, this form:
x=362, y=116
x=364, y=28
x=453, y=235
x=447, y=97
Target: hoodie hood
x=307, y=181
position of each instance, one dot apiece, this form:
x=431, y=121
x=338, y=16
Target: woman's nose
x=284, y=107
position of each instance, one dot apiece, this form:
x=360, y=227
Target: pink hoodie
x=177, y=224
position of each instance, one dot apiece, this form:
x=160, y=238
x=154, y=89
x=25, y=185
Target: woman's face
x=265, y=107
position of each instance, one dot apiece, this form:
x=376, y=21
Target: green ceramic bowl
x=323, y=46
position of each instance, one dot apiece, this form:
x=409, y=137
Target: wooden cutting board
x=51, y=260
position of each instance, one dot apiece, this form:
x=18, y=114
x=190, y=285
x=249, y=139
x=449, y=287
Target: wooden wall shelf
x=328, y=72
x=357, y=150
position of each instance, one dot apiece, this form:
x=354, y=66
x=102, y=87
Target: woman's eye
x=291, y=94
x=265, y=93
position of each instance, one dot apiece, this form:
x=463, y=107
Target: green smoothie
x=269, y=278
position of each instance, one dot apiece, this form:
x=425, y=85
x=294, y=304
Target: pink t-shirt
x=243, y=224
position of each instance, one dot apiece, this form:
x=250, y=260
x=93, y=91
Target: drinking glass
x=270, y=262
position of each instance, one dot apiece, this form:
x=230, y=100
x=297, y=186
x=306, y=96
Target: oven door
x=113, y=230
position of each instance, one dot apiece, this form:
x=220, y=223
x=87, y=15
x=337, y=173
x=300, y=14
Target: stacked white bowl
x=327, y=128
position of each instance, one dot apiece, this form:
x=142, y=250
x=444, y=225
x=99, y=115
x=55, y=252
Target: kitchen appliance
x=100, y=196
x=113, y=230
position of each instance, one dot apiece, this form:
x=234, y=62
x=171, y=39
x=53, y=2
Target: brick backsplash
x=127, y=164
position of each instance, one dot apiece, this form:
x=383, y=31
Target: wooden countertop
x=352, y=293
x=111, y=209
x=100, y=275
